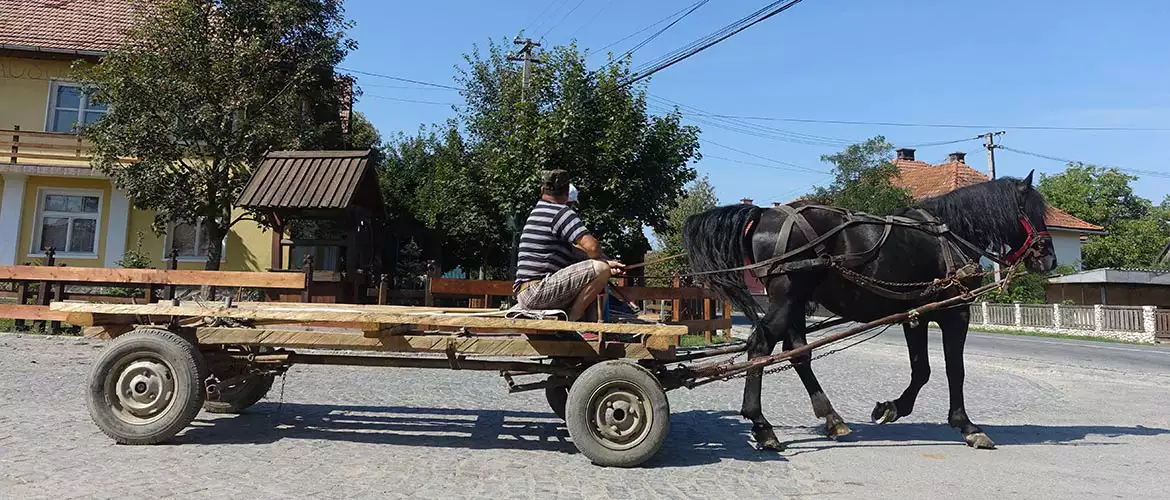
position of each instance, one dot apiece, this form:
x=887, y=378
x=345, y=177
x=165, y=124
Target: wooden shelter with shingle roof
x=323, y=204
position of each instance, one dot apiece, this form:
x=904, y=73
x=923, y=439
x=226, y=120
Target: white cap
x=572, y=193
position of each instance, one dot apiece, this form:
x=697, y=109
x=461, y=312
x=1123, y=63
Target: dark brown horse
x=986, y=218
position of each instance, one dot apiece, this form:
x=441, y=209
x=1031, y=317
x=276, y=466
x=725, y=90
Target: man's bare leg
x=590, y=292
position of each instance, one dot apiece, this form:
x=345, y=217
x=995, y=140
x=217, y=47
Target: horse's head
x=1032, y=243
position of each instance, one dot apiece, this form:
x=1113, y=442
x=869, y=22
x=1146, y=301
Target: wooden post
x=21, y=298
x=59, y=295
x=307, y=267
x=383, y=289
x=727, y=316
x=432, y=272
x=172, y=264
x=15, y=148
x=277, y=250
x=675, y=306
x=707, y=317
x=43, y=291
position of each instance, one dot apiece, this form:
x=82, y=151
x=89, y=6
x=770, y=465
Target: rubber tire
x=577, y=413
x=258, y=387
x=558, y=398
x=188, y=371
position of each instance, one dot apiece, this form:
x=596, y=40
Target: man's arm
x=592, y=248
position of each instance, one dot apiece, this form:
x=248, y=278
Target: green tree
x=1137, y=231
x=202, y=89
x=699, y=197
x=861, y=179
x=630, y=165
x=1098, y=195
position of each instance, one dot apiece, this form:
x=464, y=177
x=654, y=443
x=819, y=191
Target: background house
x=925, y=180
x=50, y=196
x=1109, y=286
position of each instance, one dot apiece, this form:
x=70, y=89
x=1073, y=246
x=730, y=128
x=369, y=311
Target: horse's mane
x=987, y=213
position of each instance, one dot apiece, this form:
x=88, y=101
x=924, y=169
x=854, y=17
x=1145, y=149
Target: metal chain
x=788, y=366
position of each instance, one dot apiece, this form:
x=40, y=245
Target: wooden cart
x=173, y=360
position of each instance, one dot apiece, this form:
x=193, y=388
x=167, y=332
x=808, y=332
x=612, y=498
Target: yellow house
x=50, y=196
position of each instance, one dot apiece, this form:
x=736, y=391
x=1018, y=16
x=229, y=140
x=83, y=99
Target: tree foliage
x=1137, y=231
x=202, y=89
x=861, y=179
x=699, y=197
x=629, y=165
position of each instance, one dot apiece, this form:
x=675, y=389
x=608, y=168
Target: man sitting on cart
x=559, y=264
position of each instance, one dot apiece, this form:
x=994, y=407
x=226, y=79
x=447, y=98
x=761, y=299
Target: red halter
x=1033, y=237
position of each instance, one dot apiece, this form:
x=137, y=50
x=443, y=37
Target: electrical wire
x=941, y=143
x=566, y=16
x=764, y=165
x=400, y=79
x=791, y=165
x=590, y=21
x=944, y=125
x=1067, y=161
x=409, y=100
x=658, y=33
x=645, y=29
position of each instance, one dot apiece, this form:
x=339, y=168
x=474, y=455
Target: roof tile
x=65, y=25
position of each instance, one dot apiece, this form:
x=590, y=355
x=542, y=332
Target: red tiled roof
x=925, y=181
x=65, y=25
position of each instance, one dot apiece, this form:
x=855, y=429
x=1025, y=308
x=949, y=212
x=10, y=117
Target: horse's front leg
x=890, y=411
x=761, y=343
x=834, y=425
x=954, y=332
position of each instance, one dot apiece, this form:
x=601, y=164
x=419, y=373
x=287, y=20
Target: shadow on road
x=928, y=434
x=696, y=437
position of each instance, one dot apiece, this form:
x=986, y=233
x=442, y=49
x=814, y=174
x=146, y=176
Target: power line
x=943, y=125
x=791, y=165
x=400, y=79
x=645, y=29
x=941, y=143
x=409, y=100
x=754, y=129
x=566, y=16
x=540, y=16
x=1068, y=161
x=764, y=165
x=590, y=21
x=658, y=33
x=700, y=45
x=383, y=86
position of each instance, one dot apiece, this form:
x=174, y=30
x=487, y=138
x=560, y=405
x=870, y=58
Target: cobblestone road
x=336, y=432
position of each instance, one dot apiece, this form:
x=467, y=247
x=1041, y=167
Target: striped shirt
x=546, y=243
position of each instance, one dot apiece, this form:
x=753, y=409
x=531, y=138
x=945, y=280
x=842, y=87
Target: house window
x=70, y=107
x=191, y=240
x=68, y=222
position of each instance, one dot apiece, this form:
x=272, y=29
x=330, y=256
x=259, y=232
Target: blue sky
x=995, y=62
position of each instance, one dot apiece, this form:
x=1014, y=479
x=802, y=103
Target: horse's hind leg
x=889, y=411
x=834, y=425
x=761, y=343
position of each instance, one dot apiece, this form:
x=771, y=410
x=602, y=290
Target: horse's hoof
x=838, y=430
x=979, y=440
x=884, y=413
x=766, y=440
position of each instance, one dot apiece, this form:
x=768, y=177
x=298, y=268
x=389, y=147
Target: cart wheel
x=557, y=398
x=237, y=397
x=146, y=387
x=617, y=414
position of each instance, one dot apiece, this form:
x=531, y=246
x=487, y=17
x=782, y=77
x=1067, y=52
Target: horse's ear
x=1026, y=184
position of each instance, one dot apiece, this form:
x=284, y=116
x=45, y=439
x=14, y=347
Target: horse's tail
x=714, y=240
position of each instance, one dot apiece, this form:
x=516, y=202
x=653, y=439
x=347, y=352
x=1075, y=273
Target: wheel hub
x=143, y=389
x=620, y=415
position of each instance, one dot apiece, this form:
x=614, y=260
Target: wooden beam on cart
x=152, y=276
x=293, y=339
x=98, y=312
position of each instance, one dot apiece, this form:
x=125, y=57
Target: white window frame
x=51, y=104
x=168, y=243
x=39, y=224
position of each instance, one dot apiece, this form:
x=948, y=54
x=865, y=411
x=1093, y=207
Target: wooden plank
x=700, y=325
x=31, y=312
x=348, y=315
x=294, y=339
x=357, y=307
x=67, y=136
x=37, y=156
x=447, y=286
x=152, y=276
x=72, y=146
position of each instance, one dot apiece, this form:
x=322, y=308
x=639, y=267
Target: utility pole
x=526, y=56
x=989, y=143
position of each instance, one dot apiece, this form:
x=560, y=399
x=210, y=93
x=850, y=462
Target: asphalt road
x=1074, y=419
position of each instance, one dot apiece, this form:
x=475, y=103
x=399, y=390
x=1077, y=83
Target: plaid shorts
x=557, y=290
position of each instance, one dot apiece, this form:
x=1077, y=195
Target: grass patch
x=701, y=340
x=1091, y=338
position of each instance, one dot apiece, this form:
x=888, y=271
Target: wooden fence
x=1135, y=323
x=1162, y=324
x=53, y=146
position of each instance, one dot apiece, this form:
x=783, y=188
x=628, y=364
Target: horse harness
x=949, y=244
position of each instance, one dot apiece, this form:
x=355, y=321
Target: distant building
x=1111, y=286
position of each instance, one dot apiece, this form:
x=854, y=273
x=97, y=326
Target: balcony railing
x=22, y=146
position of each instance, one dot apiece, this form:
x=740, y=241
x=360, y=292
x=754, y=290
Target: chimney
x=956, y=157
x=776, y=204
x=745, y=201
x=906, y=154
